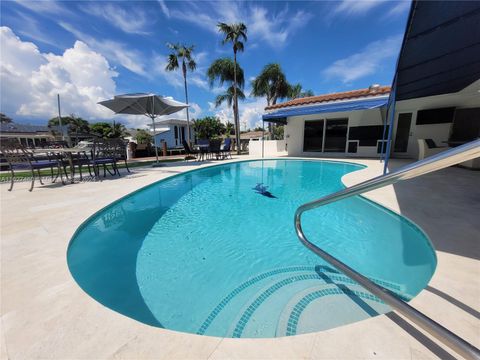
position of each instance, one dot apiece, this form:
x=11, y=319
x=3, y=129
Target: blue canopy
x=364, y=104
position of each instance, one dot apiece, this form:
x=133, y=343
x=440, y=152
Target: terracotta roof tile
x=362, y=93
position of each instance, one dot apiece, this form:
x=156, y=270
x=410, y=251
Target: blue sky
x=90, y=51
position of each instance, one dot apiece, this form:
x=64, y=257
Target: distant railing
x=447, y=158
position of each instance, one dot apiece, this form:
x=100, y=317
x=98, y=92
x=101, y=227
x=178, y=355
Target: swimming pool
x=214, y=252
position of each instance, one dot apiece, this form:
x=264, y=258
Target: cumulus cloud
x=30, y=80
x=365, y=62
x=250, y=111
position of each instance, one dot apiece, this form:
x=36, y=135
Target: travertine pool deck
x=45, y=314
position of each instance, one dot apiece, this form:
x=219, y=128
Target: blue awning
x=365, y=104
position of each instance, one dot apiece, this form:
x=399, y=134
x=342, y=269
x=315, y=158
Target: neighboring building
x=172, y=132
x=28, y=135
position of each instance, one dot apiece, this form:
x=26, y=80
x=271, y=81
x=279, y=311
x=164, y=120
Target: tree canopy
x=4, y=119
x=208, y=127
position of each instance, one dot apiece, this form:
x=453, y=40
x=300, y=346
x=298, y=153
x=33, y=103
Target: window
x=175, y=129
x=435, y=116
x=368, y=135
x=336, y=135
x=313, y=136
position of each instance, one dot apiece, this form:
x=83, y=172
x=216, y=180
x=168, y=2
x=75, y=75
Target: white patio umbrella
x=150, y=105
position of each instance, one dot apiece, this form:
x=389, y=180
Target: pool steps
x=287, y=283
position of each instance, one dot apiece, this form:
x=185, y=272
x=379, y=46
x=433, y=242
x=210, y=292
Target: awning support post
x=263, y=138
x=391, y=116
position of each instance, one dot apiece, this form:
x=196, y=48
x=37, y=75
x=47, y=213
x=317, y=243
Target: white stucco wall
x=271, y=147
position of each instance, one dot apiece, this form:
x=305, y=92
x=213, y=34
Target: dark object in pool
x=262, y=190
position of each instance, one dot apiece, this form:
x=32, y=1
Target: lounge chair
x=427, y=147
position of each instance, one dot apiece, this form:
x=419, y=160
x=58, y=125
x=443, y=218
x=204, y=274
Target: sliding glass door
x=313, y=136
x=325, y=135
x=336, y=135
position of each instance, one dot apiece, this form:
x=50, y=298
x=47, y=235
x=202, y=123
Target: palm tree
x=225, y=71
x=228, y=96
x=183, y=54
x=271, y=83
x=234, y=33
x=296, y=91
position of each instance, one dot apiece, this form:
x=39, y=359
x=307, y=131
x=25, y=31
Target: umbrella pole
x=155, y=139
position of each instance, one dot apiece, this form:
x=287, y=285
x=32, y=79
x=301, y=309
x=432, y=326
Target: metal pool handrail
x=447, y=158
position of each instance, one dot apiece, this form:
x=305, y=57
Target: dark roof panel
x=441, y=50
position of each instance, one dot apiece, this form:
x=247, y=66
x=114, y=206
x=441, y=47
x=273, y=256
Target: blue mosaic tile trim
x=250, y=282
x=319, y=268
x=259, y=300
x=307, y=299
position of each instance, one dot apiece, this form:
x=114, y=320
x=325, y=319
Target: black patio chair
x=189, y=152
x=19, y=157
x=122, y=152
x=214, y=148
x=104, y=153
x=225, y=148
x=203, y=148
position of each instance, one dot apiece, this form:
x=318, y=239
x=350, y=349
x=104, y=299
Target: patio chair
x=214, y=148
x=189, y=152
x=204, y=148
x=225, y=148
x=427, y=147
x=20, y=158
x=104, y=153
x=122, y=152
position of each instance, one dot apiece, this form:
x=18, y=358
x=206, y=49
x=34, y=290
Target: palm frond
x=172, y=63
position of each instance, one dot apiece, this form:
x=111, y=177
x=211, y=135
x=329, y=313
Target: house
x=350, y=122
x=28, y=135
x=353, y=123
x=172, y=132
x=434, y=104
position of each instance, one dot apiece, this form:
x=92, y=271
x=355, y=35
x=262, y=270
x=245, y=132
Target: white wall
x=271, y=147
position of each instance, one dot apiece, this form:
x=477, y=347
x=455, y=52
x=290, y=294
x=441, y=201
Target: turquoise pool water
x=206, y=252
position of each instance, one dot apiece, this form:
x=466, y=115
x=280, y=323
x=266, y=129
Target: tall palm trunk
x=235, y=101
x=184, y=68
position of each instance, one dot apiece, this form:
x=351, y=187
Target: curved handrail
x=447, y=158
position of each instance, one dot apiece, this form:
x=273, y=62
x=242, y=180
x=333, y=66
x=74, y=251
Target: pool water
x=214, y=252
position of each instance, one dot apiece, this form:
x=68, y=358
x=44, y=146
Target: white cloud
x=44, y=7
x=131, y=21
x=114, y=51
x=164, y=8
x=31, y=80
x=366, y=62
x=355, y=7
x=274, y=28
x=399, y=8
x=250, y=111
x=29, y=27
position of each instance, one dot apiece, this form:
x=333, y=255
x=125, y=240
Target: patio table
x=203, y=149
